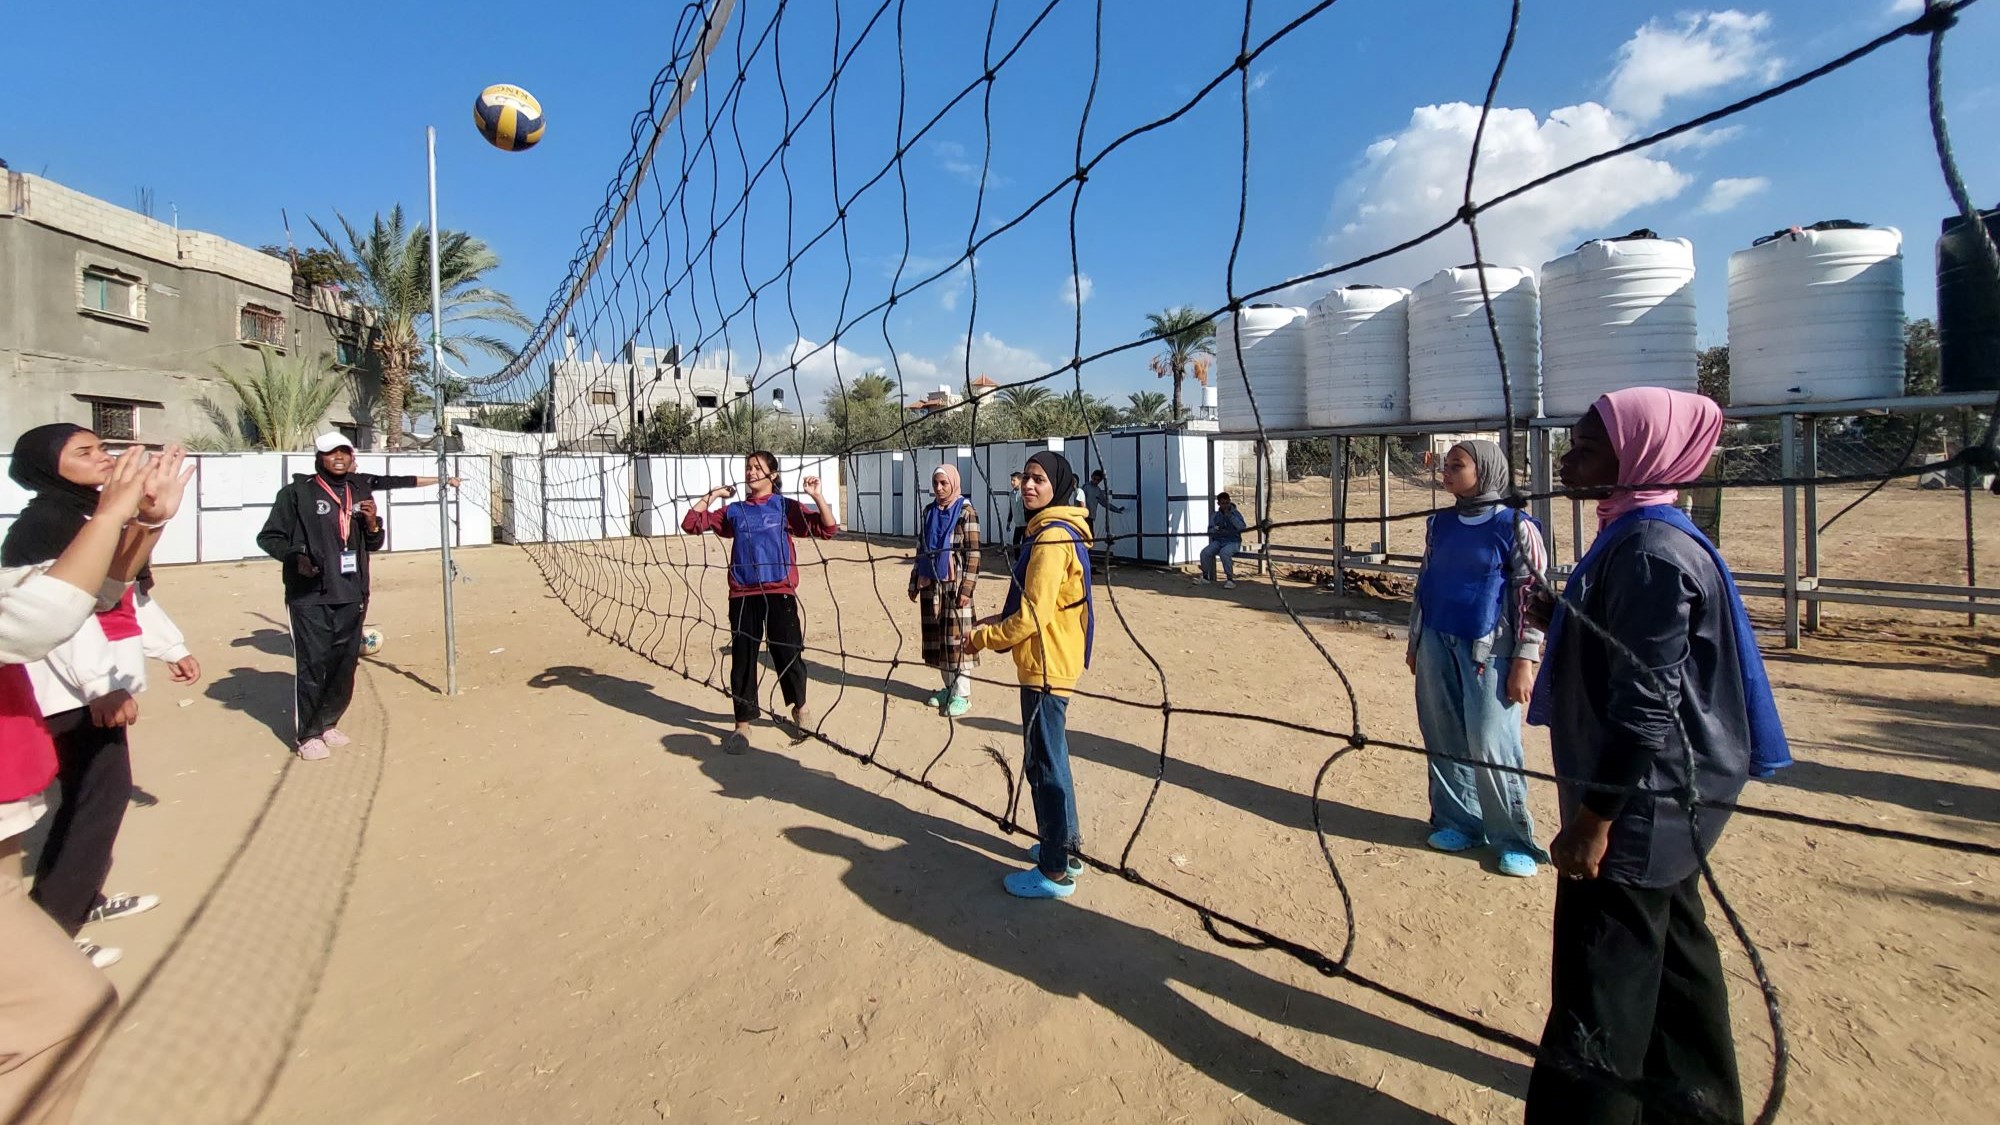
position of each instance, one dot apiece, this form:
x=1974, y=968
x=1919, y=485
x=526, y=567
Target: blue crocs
x=1033, y=884
x=1452, y=840
x=1035, y=857
x=1519, y=865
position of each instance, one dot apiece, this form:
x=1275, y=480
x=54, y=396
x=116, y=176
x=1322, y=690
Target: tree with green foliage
x=280, y=406
x=1149, y=408
x=864, y=415
x=1189, y=339
x=386, y=272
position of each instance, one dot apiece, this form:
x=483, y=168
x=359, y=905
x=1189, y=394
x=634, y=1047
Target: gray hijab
x=1489, y=463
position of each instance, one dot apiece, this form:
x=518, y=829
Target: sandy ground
x=552, y=899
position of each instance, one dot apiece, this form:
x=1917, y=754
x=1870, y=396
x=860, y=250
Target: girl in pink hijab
x=1659, y=693
x=942, y=584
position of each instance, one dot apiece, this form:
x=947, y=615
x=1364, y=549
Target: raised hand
x=166, y=484
x=119, y=499
x=812, y=487
x=368, y=512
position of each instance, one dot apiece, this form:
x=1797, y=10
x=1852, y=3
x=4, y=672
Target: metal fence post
x=1788, y=467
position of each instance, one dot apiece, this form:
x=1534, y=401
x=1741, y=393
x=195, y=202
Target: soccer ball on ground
x=371, y=640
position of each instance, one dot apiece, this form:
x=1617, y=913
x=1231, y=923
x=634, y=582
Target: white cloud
x=1727, y=193
x=920, y=372
x=1697, y=52
x=817, y=368
x=1412, y=181
x=1076, y=291
x=1905, y=7
x=952, y=286
x=1259, y=79
x=956, y=159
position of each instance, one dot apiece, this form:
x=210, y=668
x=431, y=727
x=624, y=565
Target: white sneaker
x=101, y=956
x=121, y=906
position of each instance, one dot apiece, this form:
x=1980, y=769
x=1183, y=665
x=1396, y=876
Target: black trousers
x=752, y=621
x=326, y=644
x=1639, y=997
x=94, y=777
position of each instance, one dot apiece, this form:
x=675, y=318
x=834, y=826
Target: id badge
x=350, y=562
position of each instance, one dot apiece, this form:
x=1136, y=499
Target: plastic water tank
x=1358, y=357
x=1968, y=303
x=1273, y=339
x=1617, y=313
x=1816, y=315
x=1454, y=375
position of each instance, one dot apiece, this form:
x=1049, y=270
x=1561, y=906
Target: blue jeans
x=1044, y=719
x=1463, y=710
x=1224, y=551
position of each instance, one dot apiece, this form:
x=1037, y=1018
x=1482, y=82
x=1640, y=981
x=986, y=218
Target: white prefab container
x=1358, y=357
x=1273, y=340
x=1816, y=315
x=1454, y=373
x=1617, y=313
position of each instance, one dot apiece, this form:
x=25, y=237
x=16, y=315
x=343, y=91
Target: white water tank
x=1454, y=373
x=1273, y=339
x=1816, y=315
x=1617, y=313
x=1358, y=357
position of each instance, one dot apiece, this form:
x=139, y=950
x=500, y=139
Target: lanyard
x=343, y=504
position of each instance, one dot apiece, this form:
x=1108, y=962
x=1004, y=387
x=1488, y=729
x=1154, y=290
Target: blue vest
x=1012, y=604
x=1463, y=586
x=762, y=552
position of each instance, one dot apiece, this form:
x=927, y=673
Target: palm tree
x=1189, y=337
x=281, y=406
x=386, y=270
x=740, y=427
x=1028, y=409
x=1149, y=408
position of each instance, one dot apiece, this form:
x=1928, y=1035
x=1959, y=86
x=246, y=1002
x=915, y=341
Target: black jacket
x=1658, y=592
x=303, y=522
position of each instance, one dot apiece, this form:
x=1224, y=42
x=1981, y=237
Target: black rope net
x=721, y=276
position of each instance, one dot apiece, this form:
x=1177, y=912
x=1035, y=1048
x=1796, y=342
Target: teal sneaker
x=958, y=706
x=1519, y=865
x=1452, y=840
x=1033, y=884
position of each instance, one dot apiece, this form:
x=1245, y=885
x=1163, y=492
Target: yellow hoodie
x=1046, y=633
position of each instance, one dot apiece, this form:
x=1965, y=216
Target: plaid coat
x=945, y=622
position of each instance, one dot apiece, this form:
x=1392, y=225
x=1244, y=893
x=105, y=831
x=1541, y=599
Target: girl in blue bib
x=1475, y=654
x=763, y=581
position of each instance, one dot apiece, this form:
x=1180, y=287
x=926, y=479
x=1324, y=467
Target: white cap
x=327, y=443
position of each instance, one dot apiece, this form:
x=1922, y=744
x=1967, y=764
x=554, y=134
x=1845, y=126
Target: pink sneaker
x=312, y=750
x=334, y=739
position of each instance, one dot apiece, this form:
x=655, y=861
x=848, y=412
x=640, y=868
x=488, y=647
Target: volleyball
x=371, y=640
x=508, y=116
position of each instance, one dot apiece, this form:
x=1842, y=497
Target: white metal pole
x=445, y=492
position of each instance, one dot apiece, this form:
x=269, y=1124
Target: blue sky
x=229, y=119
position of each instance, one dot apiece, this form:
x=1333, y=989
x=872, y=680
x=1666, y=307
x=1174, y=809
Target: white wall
x=1160, y=478
x=230, y=498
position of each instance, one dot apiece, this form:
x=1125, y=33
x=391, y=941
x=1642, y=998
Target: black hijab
x=60, y=507
x=1062, y=478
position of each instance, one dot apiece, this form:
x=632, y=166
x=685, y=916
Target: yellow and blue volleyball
x=508, y=116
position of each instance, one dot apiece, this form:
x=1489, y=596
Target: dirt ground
x=551, y=898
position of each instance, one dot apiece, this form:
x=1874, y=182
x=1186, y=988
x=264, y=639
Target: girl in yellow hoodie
x=1047, y=625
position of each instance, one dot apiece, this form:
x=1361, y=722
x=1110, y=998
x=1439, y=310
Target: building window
x=115, y=421
x=351, y=431
x=108, y=291
x=256, y=324
x=346, y=352
x=706, y=401
x=603, y=398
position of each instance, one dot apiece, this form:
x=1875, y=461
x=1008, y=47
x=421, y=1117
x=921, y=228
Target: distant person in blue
x=763, y=581
x=1665, y=678
x=1474, y=654
x=1225, y=538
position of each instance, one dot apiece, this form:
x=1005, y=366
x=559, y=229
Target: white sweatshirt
x=90, y=666
x=37, y=613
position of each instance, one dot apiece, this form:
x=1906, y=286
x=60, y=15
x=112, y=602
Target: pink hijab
x=950, y=475
x=1660, y=437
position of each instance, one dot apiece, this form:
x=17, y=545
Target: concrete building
x=116, y=321
x=597, y=401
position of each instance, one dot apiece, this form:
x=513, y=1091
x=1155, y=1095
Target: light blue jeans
x=1463, y=711
x=1224, y=551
